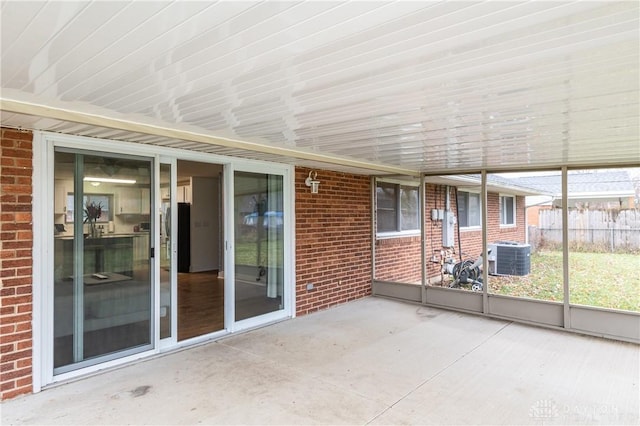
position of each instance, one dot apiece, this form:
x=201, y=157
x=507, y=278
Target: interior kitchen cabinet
x=132, y=200
x=145, y=201
x=184, y=193
x=141, y=248
x=60, y=196
x=165, y=192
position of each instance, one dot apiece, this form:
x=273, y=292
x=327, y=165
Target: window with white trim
x=469, y=209
x=507, y=210
x=397, y=208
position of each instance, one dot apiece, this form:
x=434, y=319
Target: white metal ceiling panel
x=12, y=29
x=394, y=87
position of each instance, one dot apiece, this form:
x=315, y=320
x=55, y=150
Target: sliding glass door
x=102, y=263
x=259, y=244
x=110, y=255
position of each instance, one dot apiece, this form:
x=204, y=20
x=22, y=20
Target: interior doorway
x=200, y=238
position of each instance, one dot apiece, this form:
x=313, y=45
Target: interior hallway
x=372, y=361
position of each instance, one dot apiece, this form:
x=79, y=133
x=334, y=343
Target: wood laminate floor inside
x=200, y=304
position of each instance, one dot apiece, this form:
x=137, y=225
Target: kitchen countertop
x=132, y=234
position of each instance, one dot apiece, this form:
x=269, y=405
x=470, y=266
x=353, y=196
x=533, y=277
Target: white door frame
x=43, y=248
x=288, y=311
x=43, y=203
x=169, y=342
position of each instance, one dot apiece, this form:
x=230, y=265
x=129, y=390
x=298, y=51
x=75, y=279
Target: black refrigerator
x=184, y=237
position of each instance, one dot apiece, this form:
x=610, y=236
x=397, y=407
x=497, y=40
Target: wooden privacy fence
x=589, y=230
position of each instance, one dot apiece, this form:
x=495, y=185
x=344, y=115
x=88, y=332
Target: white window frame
x=501, y=199
x=472, y=227
x=398, y=208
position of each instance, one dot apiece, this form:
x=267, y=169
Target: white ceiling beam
x=51, y=112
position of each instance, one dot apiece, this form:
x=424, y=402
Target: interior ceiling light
x=109, y=180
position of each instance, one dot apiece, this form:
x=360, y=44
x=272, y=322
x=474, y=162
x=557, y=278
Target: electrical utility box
x=509, y=258
x=448, y=229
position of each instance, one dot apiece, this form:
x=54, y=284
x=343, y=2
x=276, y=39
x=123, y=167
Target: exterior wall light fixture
x=312, y=182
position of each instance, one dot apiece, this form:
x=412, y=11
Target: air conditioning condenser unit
x=509, y=258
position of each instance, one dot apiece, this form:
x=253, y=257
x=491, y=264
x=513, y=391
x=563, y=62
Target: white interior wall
x=205, y=219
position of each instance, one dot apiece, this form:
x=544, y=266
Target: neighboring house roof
x=596, y=184
x=581, y=185
x=515, y=186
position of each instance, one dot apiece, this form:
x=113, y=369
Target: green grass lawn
x=609, y=280
x=247, y=253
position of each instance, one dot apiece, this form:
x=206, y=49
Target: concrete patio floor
x=373, y=361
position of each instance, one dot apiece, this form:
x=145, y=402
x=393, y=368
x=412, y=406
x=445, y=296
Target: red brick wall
x=16, y=241
x=399, y=260
x=333, y=240
x=514, y=233
x=471, y=240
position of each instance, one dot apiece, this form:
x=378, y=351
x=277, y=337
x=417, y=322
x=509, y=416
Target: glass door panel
x=102, y=287
x=259, y=244
x=165, y=252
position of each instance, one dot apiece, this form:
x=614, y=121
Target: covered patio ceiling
x=366, y=87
